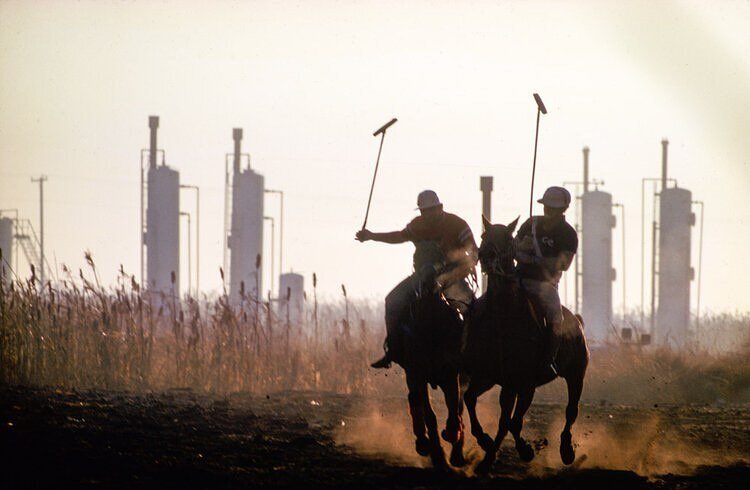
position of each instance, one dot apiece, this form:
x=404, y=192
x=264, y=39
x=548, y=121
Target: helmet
x=556, y=197
x=427, y=199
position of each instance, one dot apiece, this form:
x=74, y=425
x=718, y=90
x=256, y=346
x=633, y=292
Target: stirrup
x=552, y=367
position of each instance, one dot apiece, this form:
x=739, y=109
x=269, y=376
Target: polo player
x=545, y=246
x=457, y=244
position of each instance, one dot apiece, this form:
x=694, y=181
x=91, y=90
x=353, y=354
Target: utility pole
x=42, y=179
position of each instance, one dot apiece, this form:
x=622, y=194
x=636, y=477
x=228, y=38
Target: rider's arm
x=553, y=264
x=389, y=237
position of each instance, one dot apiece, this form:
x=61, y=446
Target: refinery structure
x=671, y=273
x=594, y=266
x=7, y=229
x=672, y=268
x=160, y=205
x=670, y=261
x=19, y=238
x=665, y=320
x=243, y=239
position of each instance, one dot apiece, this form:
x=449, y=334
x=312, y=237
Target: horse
x=431, y=338
x=504, y=345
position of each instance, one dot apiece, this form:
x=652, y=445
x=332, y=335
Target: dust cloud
x=650, y=446
x=374, y=431
x=649, y=441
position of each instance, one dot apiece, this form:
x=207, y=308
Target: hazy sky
x=310, y=81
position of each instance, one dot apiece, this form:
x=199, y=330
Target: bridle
x=501, y=263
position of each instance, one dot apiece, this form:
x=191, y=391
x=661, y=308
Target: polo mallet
x=540, y=109
x=381, y=132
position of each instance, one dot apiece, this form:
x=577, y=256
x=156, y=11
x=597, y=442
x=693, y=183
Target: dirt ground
x=180, y=439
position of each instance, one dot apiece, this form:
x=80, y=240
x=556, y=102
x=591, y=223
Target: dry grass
x=82, y=335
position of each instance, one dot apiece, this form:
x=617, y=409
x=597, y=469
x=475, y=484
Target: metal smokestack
x=237, y=136
x=153, y=125
x=585, y=169
x=485, y=185
x=664, y=145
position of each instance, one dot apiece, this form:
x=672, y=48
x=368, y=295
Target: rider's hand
x=363, y=235
x=526, y=245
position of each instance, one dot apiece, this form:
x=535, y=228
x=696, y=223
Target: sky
x=310, y=81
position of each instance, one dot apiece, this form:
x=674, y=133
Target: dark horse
x=431, y=355
x=504, y=345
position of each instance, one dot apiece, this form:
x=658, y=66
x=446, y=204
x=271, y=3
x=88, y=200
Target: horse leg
x=436, y=450
x=454, y=430
x=416, y=410
x=457, y=450
x=475, y=389
x=507, y=401
x=575, y=387
x=525, y=451
x=453, y=425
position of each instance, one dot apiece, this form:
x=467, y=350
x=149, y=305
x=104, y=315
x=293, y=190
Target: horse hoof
x=438, y=460
x=440, y=464
x=486, y=442
x=457, y=459
x=525, y=451
x=423, y=446
x=568, y=454
x=483, y=468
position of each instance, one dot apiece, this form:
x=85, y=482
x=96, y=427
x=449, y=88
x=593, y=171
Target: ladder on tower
x=229, y=192
x=29, y=243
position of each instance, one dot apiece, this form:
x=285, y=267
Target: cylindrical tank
x=675, y=273
x=163, y=229
x=6, y=247
x=295, y=284
x=596, y=263
x=246, y=239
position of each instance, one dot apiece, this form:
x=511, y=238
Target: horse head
x=497, y=251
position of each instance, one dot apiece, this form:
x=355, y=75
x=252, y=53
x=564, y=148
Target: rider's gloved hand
x=363, y=235
x=526, y=245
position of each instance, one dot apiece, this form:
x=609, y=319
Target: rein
x=496, y=265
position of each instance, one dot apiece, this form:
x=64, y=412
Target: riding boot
x=392, y=347
x=382, y=363
x=385, y=361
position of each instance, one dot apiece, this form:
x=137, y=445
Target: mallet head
x=385, y=126
x=540, y=104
